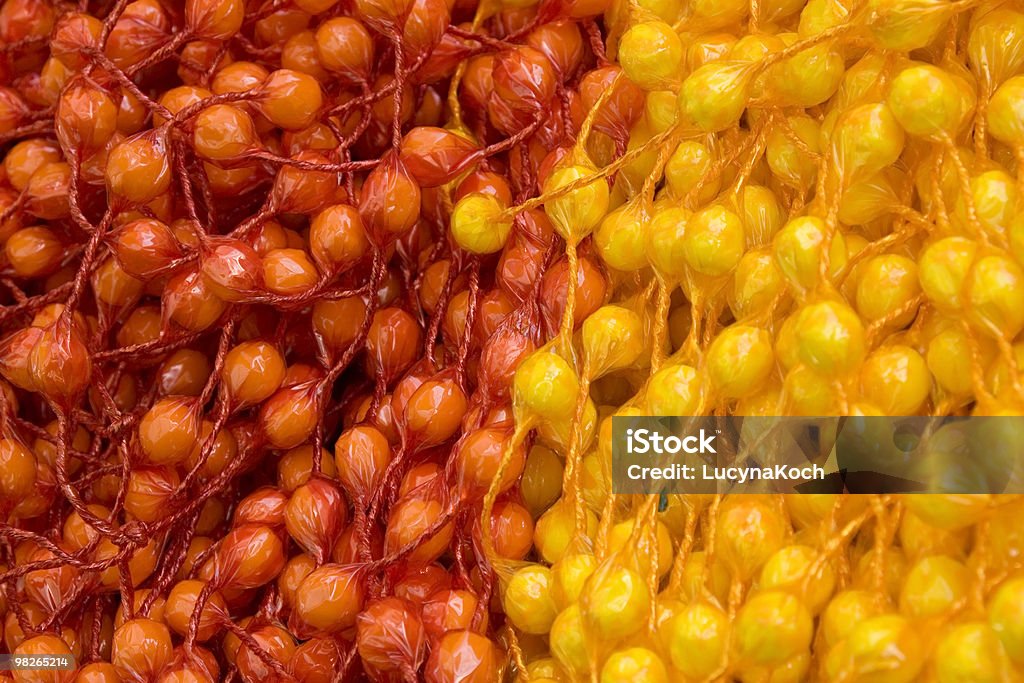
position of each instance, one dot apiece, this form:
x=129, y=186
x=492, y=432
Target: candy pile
x=255, y=388
x=314, y=315
x=817, y=215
